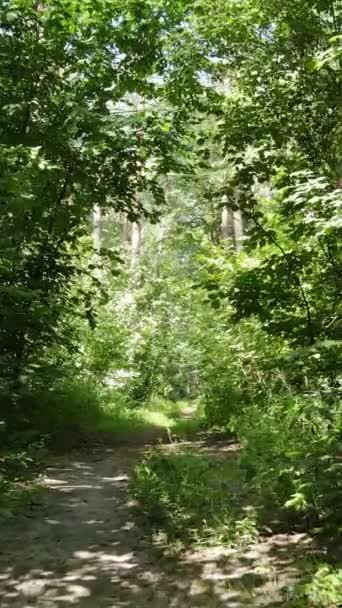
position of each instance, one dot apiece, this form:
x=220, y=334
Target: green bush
x=322, y=590
x=240, y=369
x=18, y=472
x=76, y=405
x=291, y=449
x=282, y=406
x=193, y=497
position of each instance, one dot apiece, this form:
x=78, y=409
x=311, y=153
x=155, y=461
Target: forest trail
x=82, y=547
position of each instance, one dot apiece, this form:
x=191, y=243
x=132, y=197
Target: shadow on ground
x=81, y=547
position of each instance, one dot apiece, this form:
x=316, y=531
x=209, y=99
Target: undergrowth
x=291, y=450
x=193, y=498
x=93, y=407
x=18, y=477
x=320, y=587
x=286, y=476
x=82, y=409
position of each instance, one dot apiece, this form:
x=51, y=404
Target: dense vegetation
x=171, y=228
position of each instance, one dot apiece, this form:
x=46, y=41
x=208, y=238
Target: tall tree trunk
x=97, y=228
x=136, y=242
x=126, y=230
x=160, y=241
x=232, y=227
x=238, y=229
x=227, y=225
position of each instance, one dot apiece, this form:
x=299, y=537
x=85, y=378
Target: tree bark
x=97, y=228
x=227, y=224
x=136, y=242
x=238, y=229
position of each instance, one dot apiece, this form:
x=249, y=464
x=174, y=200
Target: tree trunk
x=238, y=229
x=232, y=228
x=126, y=230
x=136, y=242
x=160, y=241
x=97, y=228
x=227, y=225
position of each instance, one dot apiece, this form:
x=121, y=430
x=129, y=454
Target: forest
x=170, y=303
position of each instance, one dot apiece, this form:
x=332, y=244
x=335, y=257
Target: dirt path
x=81, y=547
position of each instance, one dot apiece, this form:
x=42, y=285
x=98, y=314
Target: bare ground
x=81, y=547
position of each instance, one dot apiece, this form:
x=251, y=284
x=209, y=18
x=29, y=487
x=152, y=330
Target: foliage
x=242, y=369
x=299, y=471
x=180, y=126
x=14, y=496
x=323, y=590
x=66, y=145
x=191, y=497
x=18, y=476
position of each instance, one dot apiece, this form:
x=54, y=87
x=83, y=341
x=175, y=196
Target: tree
x=69, y=144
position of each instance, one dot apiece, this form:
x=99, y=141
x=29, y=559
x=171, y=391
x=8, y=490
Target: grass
x=120, y=416
x=159, y=413
x=183, y=418
x=194, y=497
x=79, y=408
x=91, y=407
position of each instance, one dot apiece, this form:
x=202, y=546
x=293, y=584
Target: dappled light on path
x=82, y=547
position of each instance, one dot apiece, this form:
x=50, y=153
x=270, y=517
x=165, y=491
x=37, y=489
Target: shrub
x=76, y=405
x=18, y=470
x=322, y=590
x=192, y=497
x=291, y=449
x=239, y=370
